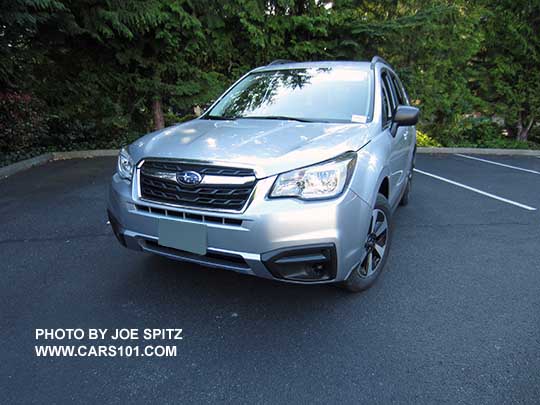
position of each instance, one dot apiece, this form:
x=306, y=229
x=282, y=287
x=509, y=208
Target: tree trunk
x=519, y=127
x=523, y=131
x=157, y=110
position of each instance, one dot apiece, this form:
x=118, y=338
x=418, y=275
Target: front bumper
x=327, y=235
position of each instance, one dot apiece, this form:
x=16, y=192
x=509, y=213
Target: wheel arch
x=384, y=188
x=372, y=173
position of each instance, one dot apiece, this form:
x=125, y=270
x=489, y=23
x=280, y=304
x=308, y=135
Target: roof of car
x=284, y=65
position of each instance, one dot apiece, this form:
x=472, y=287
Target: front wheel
x=377, y=245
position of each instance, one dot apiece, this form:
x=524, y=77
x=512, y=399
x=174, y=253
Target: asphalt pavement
x=454, y=318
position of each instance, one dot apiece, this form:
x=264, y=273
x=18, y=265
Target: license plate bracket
x=187, y=236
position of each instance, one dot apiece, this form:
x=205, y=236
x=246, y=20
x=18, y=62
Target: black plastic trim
x=210, y=259
x=378, y=59
x=280, y=62
x=115, y=225
x=317, y=253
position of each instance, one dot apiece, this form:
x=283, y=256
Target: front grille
x=223, y=196
x=190, y=216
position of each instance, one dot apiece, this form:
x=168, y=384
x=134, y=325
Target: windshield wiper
x=279, y=117
x=218, y=118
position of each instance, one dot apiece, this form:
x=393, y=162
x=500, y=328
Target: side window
x=385, y=106
x=400, y=91
x=388, y=103
x=391, y=92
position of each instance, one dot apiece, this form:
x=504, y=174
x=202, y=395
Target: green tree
x=431, y=44
x=158, y=45
x=19, y=21
x=98, y=73
x=510, y=64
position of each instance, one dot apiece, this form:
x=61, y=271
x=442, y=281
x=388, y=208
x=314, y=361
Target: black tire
x=363, y=275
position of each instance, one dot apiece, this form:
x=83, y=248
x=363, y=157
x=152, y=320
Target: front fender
x=371, y=169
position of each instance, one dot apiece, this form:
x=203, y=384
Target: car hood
x=267, y=146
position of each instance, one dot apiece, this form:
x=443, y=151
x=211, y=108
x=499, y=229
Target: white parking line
x=498, y=164
x=495, y=197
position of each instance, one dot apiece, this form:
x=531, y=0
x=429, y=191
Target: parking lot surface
x=454, y=318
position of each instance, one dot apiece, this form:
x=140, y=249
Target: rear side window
x=385, y=106
x=389, y=103
x=400, y=91
x=391, y=91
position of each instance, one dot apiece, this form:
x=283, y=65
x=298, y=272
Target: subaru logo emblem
x=188, y=178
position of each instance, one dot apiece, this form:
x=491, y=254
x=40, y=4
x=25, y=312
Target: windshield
x=317, y=94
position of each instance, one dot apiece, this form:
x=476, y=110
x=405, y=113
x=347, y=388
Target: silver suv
x=291, y=175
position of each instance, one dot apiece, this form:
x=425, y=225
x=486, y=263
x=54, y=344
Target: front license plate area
x=186, y=236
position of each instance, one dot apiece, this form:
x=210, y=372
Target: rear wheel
x=377, y=245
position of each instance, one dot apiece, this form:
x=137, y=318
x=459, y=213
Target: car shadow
x=168, y=283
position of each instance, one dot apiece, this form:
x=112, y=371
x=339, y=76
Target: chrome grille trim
x=207, y=179
x=237, y=181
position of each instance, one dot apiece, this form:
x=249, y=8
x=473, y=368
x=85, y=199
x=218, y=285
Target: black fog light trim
x=115, y=225
x=303, y=263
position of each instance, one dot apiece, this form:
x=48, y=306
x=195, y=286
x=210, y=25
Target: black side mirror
x=404, y=116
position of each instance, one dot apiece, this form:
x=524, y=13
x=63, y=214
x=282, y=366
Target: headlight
x=125, y=164
x=324, y=180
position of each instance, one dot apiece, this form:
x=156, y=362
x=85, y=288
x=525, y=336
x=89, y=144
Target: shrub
x=23, y=124
x=422, y=139
x=485, y=133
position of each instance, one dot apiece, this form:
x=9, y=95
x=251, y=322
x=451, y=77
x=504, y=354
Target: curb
x=84, y=154
x=9, y=170
x=25, y=164
x=87, y=154
x=479, y=151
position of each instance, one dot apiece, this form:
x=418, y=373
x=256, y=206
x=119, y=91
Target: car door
x=408, y=132
x=400, y=141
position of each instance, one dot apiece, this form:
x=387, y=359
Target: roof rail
x=380, y=60
x=280, y=62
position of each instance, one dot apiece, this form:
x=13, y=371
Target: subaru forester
x=292, y=174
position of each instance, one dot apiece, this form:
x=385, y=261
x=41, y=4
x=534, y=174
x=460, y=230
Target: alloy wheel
x=375, y=244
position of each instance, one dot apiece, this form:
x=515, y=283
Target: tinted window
x=318, y=94
x=402, y=100
x=387, y=107
x=391, y=92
